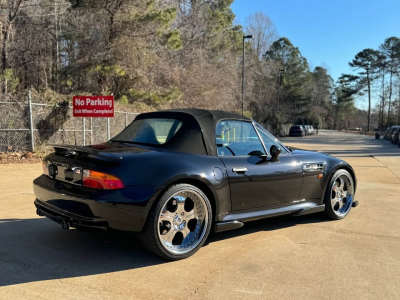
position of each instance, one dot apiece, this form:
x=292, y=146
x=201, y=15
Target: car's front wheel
x=339, y=195
x=179, y=224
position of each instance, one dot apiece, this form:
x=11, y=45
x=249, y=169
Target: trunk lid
x=67, y=162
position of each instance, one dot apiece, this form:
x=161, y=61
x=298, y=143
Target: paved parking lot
x=282, y=258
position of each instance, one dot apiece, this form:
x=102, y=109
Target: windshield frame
x=258, y=126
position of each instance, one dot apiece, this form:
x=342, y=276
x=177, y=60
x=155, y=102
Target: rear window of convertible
x=150, y=131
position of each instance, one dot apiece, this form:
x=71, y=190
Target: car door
x=256, y=181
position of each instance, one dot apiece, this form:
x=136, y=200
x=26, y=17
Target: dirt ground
x=306, y=257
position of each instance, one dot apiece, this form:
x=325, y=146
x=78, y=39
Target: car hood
x=312, y=156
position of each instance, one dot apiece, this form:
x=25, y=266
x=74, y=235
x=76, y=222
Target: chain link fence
x=26, y=125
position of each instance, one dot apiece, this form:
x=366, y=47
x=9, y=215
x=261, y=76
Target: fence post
x=126, y=119
x=31, y=122
x=108, y=129
x=84, y=132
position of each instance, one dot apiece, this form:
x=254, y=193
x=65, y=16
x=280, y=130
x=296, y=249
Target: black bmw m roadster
x=173, y=175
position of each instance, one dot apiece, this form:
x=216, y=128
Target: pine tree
x=366, y=62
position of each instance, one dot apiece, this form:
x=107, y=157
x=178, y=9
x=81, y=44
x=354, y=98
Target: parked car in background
x=386, y=134
x=395, y=139
x=306, y=129
x=312, y=129
x=297, y=130
x=309, y=130
x=393, y=132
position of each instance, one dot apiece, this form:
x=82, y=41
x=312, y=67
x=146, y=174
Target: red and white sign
x=93, y=106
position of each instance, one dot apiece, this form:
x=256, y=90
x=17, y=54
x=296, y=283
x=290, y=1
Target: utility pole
x=279, y=85
x=279, y=94
x=244, y=38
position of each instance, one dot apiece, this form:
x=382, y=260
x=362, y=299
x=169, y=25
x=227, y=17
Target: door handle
x=239, y=170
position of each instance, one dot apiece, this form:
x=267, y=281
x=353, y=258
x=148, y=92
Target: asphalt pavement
x=305, y=257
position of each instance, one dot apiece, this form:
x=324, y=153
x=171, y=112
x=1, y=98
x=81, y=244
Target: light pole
x=279, y=83
x=244, y=38
x=279, y=92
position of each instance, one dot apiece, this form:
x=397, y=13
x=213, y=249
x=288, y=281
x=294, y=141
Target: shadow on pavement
x=270, y=224
x=37, y=249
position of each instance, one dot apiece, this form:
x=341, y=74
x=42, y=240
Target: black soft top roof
x=197, y=134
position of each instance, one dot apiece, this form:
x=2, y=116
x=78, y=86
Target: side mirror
x=258, y=154
x=275, y=152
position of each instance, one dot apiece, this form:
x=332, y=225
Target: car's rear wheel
x=339, y=195
x=179, y=224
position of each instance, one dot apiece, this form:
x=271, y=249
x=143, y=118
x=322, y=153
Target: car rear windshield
x=294, y=127
x=150, y=131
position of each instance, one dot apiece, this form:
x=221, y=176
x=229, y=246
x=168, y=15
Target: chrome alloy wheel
x=183, y=222
x=342, y=195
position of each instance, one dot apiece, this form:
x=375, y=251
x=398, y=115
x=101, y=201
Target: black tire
x=329, y=210
x=150, y=234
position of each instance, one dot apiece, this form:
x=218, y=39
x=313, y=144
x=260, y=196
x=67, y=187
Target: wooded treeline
x=377, y=78
x=179, y=53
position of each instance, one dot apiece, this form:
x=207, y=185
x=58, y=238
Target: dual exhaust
x=65, y=225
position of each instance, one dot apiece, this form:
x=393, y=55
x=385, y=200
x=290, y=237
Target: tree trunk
x=390, y=95
x=369, y=101
x=4, y=54
x=398, y=109
x=382, y=109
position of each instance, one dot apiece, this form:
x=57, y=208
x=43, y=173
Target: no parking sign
x=93, y=106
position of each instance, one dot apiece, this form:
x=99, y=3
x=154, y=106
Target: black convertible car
x=173, y=175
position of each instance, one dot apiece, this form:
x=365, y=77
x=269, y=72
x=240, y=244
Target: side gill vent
x=313, y=167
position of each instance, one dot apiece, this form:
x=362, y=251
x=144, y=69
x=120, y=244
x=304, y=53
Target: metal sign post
x=84, y=132
x=108, y=129
x=93, y=107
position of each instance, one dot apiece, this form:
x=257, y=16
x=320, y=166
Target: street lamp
x=279, y=91
x=244, y=38
x=279, y=83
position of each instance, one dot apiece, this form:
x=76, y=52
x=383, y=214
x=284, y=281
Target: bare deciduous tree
x=264, y=31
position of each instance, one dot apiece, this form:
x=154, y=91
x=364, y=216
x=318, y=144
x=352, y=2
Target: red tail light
x=101, y=181
x=299, y=129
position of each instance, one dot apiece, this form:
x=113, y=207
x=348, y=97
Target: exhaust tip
x=65, y=225
x=39, y=212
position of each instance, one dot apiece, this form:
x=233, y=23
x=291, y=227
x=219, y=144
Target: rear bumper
x=124, y=209
x=59, y=215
